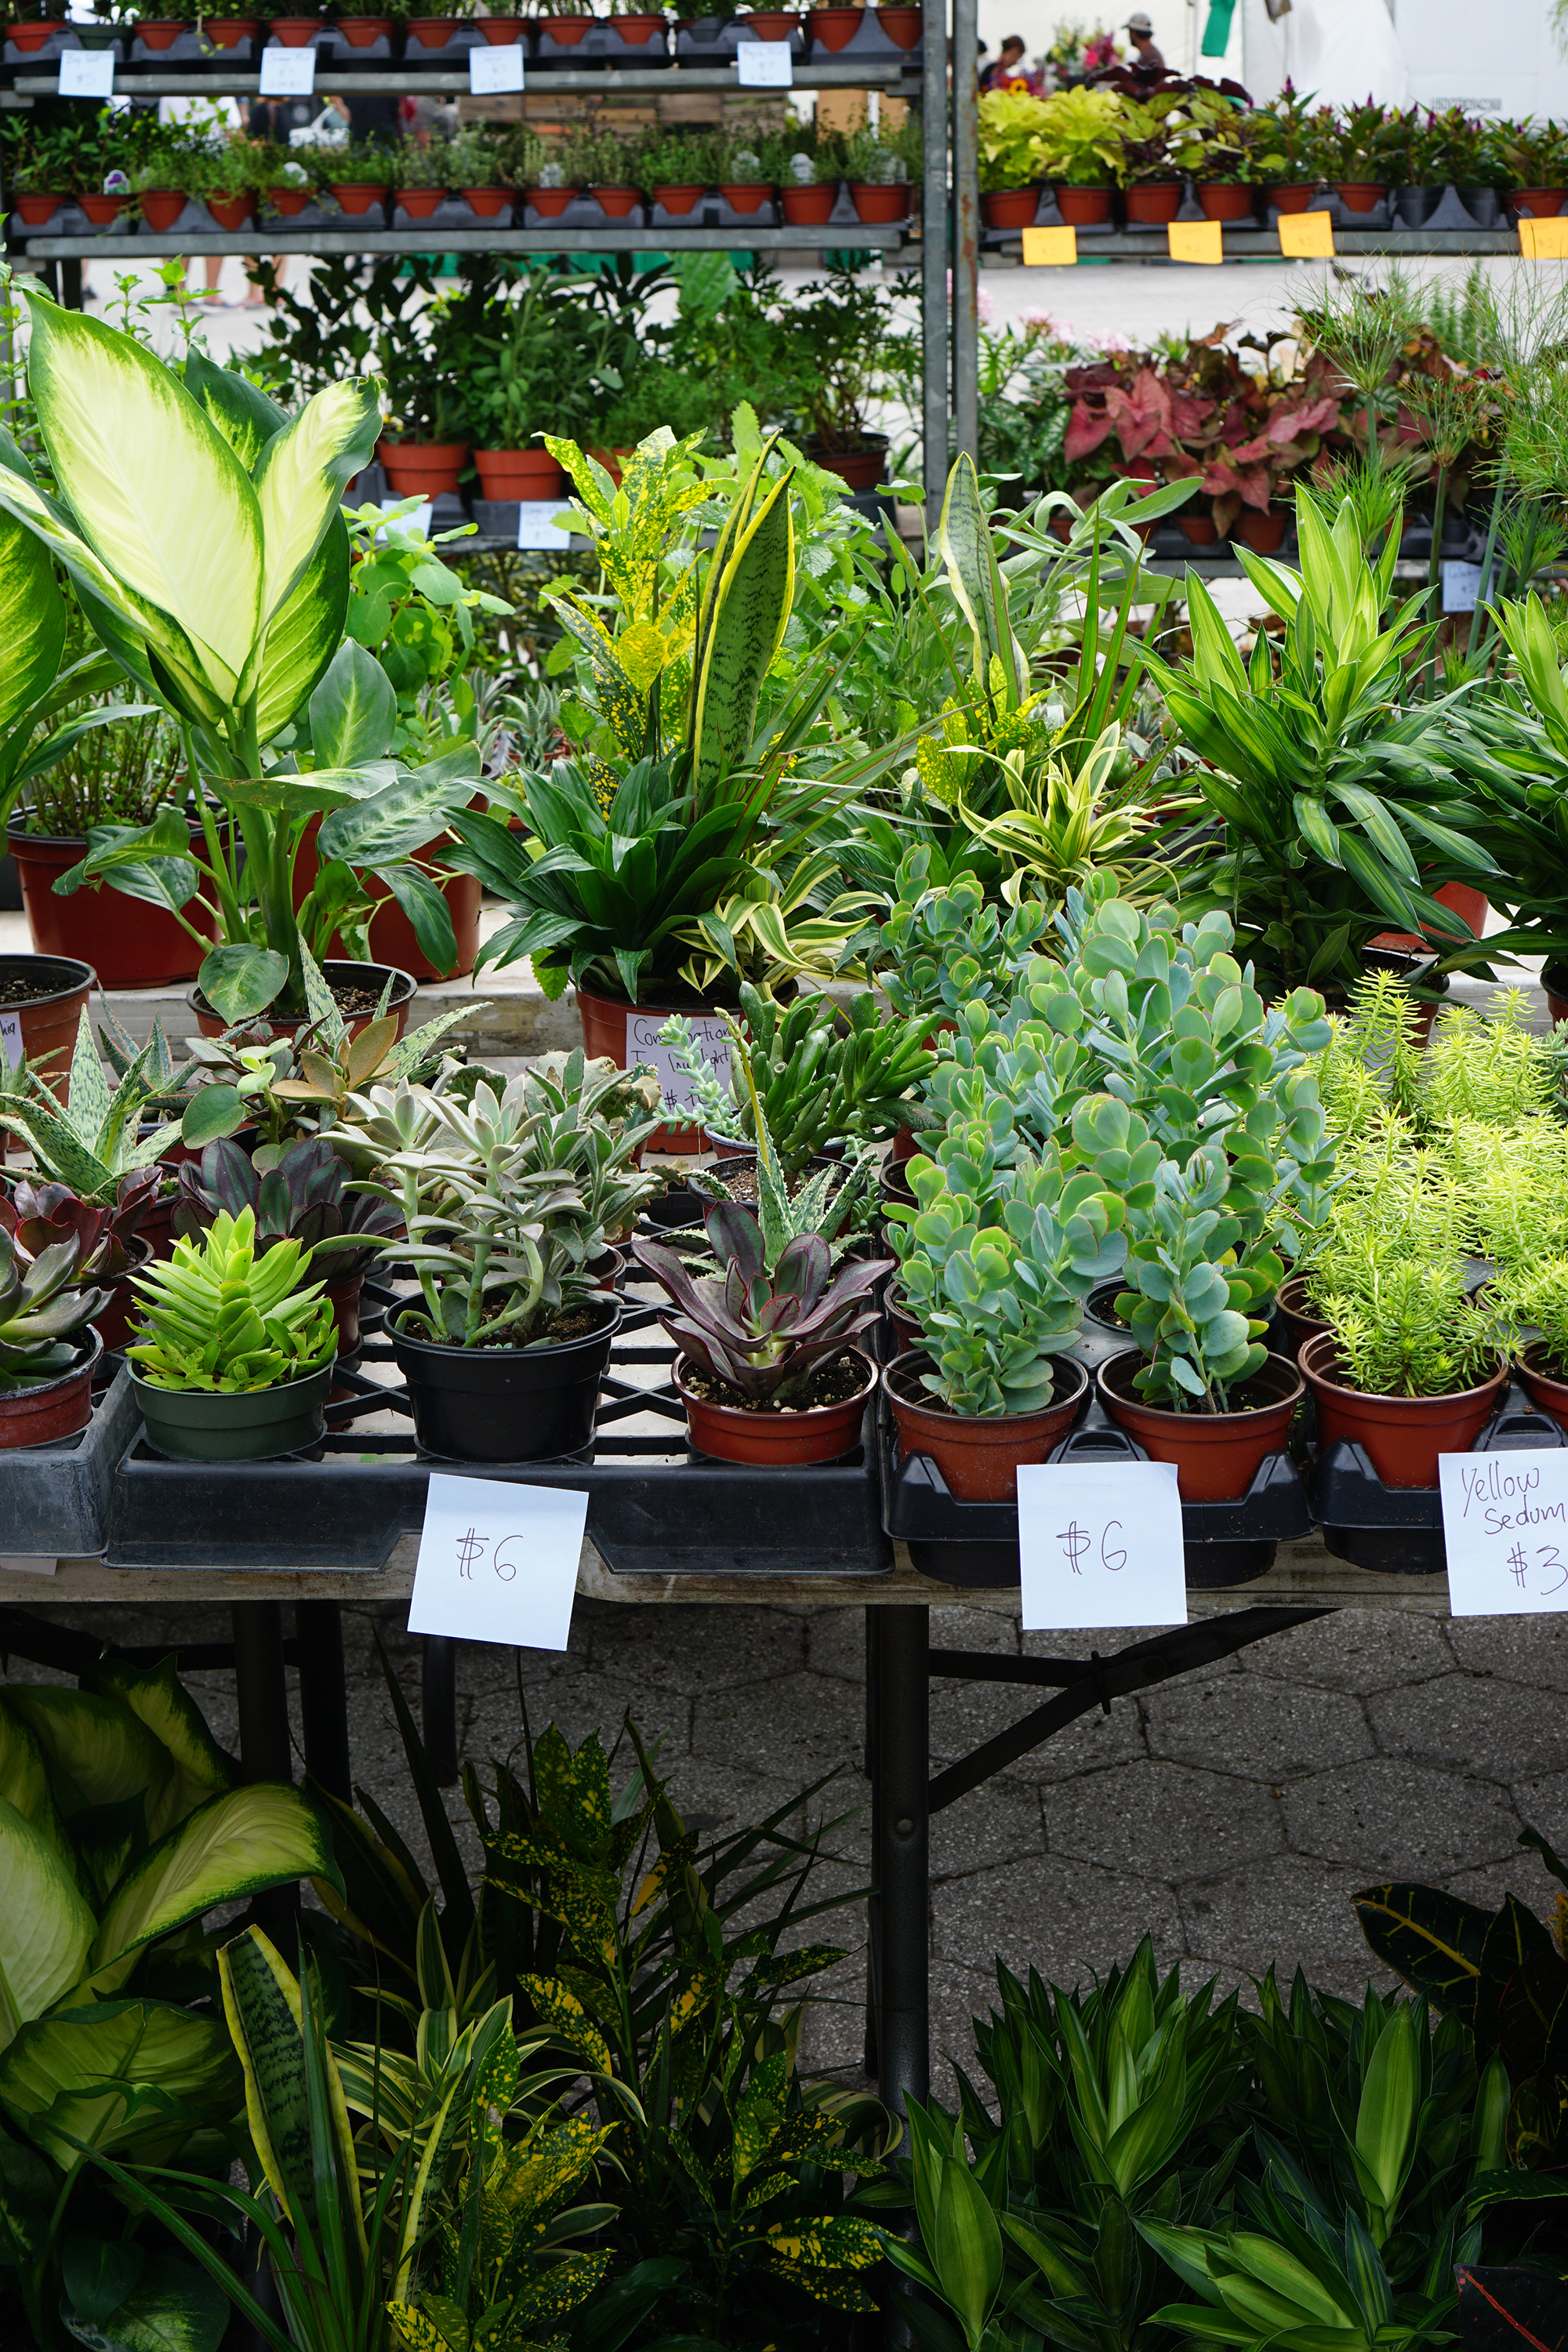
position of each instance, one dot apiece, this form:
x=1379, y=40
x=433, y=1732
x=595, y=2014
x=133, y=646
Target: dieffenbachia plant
x=200, y=527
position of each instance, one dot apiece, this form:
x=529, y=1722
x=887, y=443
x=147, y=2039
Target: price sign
x=1050, y=248
x=1195, y=241
x=643, y=1045
x=1543, y=240
x=87, y=73
x=537, y=525
x=498, y=1562
x=417, y=521
x=1505, y=1523
x=289, y=73
x=1306, y=236
x=492, y=71
x=1100, y=1543
x=764, y=65
x=1461, y=586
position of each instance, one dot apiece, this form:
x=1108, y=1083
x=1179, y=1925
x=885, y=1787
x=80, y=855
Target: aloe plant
x=224, y=1314
x=766, y=1333
x=91, y=1144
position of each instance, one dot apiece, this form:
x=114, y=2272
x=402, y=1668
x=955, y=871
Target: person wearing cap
x=1149, y=60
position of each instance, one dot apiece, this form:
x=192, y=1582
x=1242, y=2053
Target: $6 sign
x=472, y=1546
x=1100, y=1544
x=1076, y=1541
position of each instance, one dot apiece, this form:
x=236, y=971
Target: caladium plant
x=300, y=1198
x=39, y=1311
x=766, y=1335
x=37, y=1216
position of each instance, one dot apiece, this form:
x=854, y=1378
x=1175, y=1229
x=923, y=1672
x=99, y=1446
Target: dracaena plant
x=765, y=1333
x=199, y=524
x=223, y=1316
x=38, y=1215
x=297, y=1197
x=93, y=1143
x=40, y=1310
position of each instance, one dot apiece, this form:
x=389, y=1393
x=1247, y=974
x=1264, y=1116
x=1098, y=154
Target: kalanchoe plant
x=300, y=1198
x=222, y=1316
x=93, y=1143
x=593, y=1122
x=765, y=1335
x=39, y=1311
x=37, y=1216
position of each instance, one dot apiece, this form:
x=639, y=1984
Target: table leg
x=874, y=1901
x=902, y=1861
x=261, y=1691
x=438, y=1706
x=323, y=1697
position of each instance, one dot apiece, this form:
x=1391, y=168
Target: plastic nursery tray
x=977, y=1543
x=656, y=1508
x=54, y=1499
x=1399, y=1530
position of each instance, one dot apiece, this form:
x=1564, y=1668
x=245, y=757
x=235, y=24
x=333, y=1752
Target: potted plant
x=1083, y=144
x=295, y=1193
x=474, y=168
x=1513, y=745
x=1412, y=1367
x=832, y=27
x=358, y=177
x=831, y=369
x=1151, y=190
x=1289, y=157
x=505, y=1348
x=294, y=32
x=808, y=180
x=39, y=1217
x=1535, y=158
x=88, y=1138
x=1362, y=151
x=1012, y=156
x=1467, y=156
x=421, y=175
x=770, y=24
x=561, y=31
x=742, y=177
x=676, y=169
x=47, y=1348
x=1220, y=144
x=637, y=29
x=362, y=23
x=289, y=190
x=32, y=32
x=233, y=1348
x=600, y=161
x=433, y=30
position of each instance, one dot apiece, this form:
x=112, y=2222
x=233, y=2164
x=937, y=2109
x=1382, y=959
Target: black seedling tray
x=977, y=1543
x=656, y=1508
x=54, y=1499
x=1399, y=1530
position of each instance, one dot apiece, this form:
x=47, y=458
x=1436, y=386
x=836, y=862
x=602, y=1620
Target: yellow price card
x=1306, y=236
x=1195, y=241
x=1051, y=248
x=1543, y=240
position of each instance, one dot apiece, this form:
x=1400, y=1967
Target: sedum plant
x=1411, y=1329
x=227, y=1316
x=40, y=1310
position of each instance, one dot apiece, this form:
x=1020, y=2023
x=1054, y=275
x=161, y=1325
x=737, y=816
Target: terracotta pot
x=501, y=31
x=338, y=972
x=159, y=32
x=678, y=202
x=344, y=1298
x=432, y=32
x=1542, y=204
x=289, y=201
x=486, y=204
x=1010, y=207
x=294, y=32
x=34, y=211
x=58, y=1408
x=810, y=208
x=776, y=1441
x=113, y=1324
x=638, y=30
x=1217, y=1454
x=358, y=198
x=1361, y=196
x=420, y=204
x=393, y=940
x=904, y=26
x=834, y=29
x=1222, y=200
x=1292, y=199
x=362, y=31
x=565, y=32
x=33, y=34
x=50, y=1016
x=772, y=24
x=519, y=473
x=1198, y=530
x=422, y=469
x=132, y=944
x=623, y=1034
x=875, y=205
x=1153, y=200
x=551, y=202
x=228, y=32
x=103, y=211
x=745, y=195
x=1081, y=207
x=1402, y=1437
x=1297, y=1321
x=857, y=469
x=1540, y=1380
x=162, y=207
x=908, y=1337
x=979, y=1455
x=1264, y=533
x=232, y=213
x=615, y=203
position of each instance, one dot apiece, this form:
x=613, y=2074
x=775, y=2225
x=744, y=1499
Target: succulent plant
x=766, y=1335
x=594, y=1120
x=300, y=1197
x=39, y=1311
x=37, y=1216
x=221, y=1314
x=941, y=949
x=90, y=1144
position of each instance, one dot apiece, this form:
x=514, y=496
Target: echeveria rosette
x=765, y=1337
x=300, y=1197
x=37, y=1216
x=40, y=1311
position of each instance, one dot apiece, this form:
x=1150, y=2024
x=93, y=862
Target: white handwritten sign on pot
x=1100, y=1543
x=11, y=1038
x=643, y=1045
x=764, y=65
x=492, y=71
x=1461, y=587
x=498, y=1562
x=87, y=73
x=288, y=73
x=1505, y=1523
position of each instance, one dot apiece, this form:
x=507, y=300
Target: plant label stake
x=643, y=1045
x=11, y=1037
x=1461, y=586
x=764, y=65
x=1505, y=1525
x=537, y=523
x=1100, y=1544
x=288, y=73
x=498, y=1562
x=87, y=73
x=494, y=70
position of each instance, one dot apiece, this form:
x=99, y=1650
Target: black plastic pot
x=679, y=1206
x=506, y=1404
x=205, y=1425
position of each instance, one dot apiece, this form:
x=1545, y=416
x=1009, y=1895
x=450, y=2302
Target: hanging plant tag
x=498, y=1562
x=1100, y=1543
x=1461, y=586
x=1505, y=1524
x=288, y=73
x=492, y=71
x=643, y=1045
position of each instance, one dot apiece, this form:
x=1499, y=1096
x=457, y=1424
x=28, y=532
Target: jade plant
x=40, y=1312
x=300, y=1197
x=941, y=949
x=223, y=1315
x=766, y=1333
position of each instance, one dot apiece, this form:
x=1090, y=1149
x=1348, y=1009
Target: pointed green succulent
x=220, y=1316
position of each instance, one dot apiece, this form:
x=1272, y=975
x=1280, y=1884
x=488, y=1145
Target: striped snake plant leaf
x=750, y=611
x=978, y=584
x=261, y=2002
x=45, y=1926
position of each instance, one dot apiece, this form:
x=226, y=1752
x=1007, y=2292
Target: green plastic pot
x=206, y=1425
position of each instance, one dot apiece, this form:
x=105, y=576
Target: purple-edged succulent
x=767, y=1338
x=299, y=1198
x=40, y=1216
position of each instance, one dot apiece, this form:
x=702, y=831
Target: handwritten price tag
x=498, y=1562
x=643, y=1045
x=87, y=73
x=288, y=73
x=1461, y=586
x=536, y=518
x=1100, y=1543
x=11, y=1037
x=492, y=71
x=764, y=65
x=1505, y=1523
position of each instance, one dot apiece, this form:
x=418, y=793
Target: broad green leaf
x=173, y=2307
x=353, y=711
x=300, y=474
x=966, y=2248
x=408, y=816
x=303, y=634
x=240, y=982
x=263, y=1835
x=25, y=1782
x=118, y=2075
x=32, y=630
x=158, y=1698
x=212, y=1112
x=426, y=910
x=244, y=415
x=98, y=1752
x=45, y=1927
x=154, y=488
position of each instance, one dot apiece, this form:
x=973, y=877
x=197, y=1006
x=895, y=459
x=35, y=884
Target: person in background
x=1147, y=58
x=1010, y=72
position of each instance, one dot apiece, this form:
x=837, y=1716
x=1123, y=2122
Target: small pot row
x=433, y=470
x=803, y=208
x=1148, y=204
x=829, y=29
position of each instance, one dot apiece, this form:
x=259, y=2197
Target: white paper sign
x=1100, y=1543
x=765, y=65
x=643, y=1045
x=11, y=1037
x=493, y=70
x=498, y=1562
x=87, y=73
x=13, y=1563
x=1461, y=586
x=1505, y=1523
x=418, y=520
x=537, y=526
x=289, y=73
